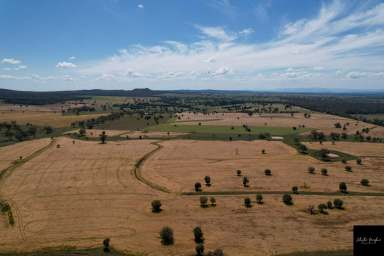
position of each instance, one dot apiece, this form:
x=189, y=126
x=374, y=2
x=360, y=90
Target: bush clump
x=166, y=236
x=287, y=199
x=247, y=202
x=338, y=203
x=259, y=198
x=198, y=187
x=364, y=182
x=268, y=172
x=156, y=206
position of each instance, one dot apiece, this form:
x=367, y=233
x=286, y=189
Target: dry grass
x=78, y=194
x=44, y=118
x=320, y=121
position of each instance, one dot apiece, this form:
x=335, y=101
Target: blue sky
x=197, y=44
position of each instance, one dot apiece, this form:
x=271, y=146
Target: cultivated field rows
x=83, y=192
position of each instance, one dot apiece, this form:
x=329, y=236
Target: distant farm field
x=224, y=129
x=45, y=118
x=319, y=121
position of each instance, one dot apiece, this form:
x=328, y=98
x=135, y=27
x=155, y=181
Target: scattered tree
x=287, y=199
x=295, y=190
x=166, y=236
x=364, y=182
x=263, y=151
x=311, y=170
x=156, y=206
x=338, y=203
x=322, y=208
x=359, y=161
x=247, y=202
x=106, y=245
x=213, y=201
x=311, y=209
x=344, y=161
x=203, y=202
x=348, y=168
x=103, y=137
x=207, y=180
x=197, y=186
x=268, y=172
x=238, y=173
x=259, y=198
x=329, y=205
x=343, y=187
x=324, y=171
x=198, y=234
x=245, y=181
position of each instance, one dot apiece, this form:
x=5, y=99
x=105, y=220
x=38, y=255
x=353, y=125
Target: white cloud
x=11, y=61
x=72, y=58
x=246, y=31
x=217, y=33
x=65, y=64
x=140, y=6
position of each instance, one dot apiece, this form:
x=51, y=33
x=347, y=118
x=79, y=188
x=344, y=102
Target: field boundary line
x=136, y=171
x=303, y=193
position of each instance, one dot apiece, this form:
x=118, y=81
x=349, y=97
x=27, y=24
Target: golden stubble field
x=320, y=121
x=43, y=118
x=78, y=194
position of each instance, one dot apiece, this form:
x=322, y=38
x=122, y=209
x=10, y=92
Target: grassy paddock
x=216, y=129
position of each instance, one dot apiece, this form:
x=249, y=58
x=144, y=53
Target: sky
x=197, y=44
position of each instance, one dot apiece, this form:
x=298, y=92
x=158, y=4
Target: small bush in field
x=166, y=236
x=287, y=199
x=311, y=170
x=247, y=202
x=338, y=203
x=295, y=190
x=259, y=198
x=324, y=172
x=203, y=202
x=268, y=172
x=364, y=182
x=156, y=206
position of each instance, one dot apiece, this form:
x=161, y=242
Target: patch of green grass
x=132, y=122
x=228, y=130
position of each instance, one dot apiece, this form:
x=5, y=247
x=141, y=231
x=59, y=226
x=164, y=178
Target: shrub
x=197, y=186
x=322, y=208
x=199, y=250
x=338, y=203
x=268, y=172
x=311, y=170
x=198, y=234
x=203, y=202
x=295, y=190
x=287, y=199
x=263, y=151
x=343, y=187
x=311, y=209
x=324, y=172
x=245, y=181
x=259, y=198
x=364, y=182
x=213, y=201
x=238, y=172
x=344, y=161
x=348, y=168
x=247, y=202
x=329, y=205
x=106, y=245
x=207, y=180
x=359, y=161
x=156, y=206
x=166, y=236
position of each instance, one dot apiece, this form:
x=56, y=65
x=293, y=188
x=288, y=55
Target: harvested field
x=9, y=154
x=320, y=121
x=43, y=118
x=78, y=194
x=182, y=163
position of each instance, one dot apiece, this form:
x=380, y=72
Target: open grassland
x=46, y=118
x=82, y=192
x=319, y=121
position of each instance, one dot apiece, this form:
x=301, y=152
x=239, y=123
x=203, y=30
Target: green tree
x=103, y=137
x=166, y=236
x=324, y=171
x=198, y=234
x=322, y=208
x=343, y=187
x=364, y=182
x=156, y=206
x=311, y=170
x=245, y=181
x=259, y=198
x=247, y=202
x=338, y=203
x=197, y=186
x=287, y=199
x=106, y=247
x=267, y=172
x=207, y=180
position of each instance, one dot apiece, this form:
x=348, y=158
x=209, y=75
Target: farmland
x=68, y=193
